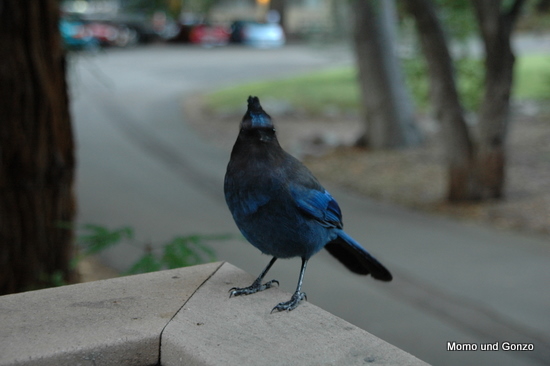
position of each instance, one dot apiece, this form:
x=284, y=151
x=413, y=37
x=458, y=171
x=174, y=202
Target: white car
x=263, y=35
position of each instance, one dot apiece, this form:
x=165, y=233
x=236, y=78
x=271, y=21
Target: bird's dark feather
x=280, y=207
x=356, y=258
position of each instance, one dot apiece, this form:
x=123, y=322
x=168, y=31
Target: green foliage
x=471, y=80
x=147, y=263
x=149, y=6
x=417, y=81
x=458, y=18
x=181, y=251
x=535, y=17
x=171, y=7
x=97, y=238
x=469, y=74
x=56, y=279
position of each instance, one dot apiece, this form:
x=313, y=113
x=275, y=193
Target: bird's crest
x=255, y=116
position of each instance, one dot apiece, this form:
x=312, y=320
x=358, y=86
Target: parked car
x=257, y=34
x=111, y=34
x=203, y=34
x=209, y=35
x=76, y=35
x=236, y=35
x=105, y=33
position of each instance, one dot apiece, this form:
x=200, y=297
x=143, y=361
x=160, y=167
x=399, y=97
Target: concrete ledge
x=213, y=329
x=139, y=320
x=111, y=322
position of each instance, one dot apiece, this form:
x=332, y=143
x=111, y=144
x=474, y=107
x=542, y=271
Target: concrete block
x=111, y=322
x=213, y=329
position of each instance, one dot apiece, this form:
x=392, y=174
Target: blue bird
x=281, y=208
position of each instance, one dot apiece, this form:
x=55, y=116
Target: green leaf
x=178, y=253
x=99, y=238
x=147, y=263
x=182, y=251
x=56, y=279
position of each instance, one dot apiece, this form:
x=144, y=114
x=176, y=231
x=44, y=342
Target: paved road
x=141, y=165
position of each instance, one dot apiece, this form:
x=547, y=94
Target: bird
x=282, y=209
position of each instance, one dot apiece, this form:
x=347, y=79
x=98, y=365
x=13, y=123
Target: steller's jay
x=281, y=208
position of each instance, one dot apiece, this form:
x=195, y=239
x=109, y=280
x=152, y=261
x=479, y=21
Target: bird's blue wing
x=251, y=202
x=318, y=204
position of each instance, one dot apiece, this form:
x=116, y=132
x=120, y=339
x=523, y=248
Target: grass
x=337, y=89
x=532, y=75
x=312, y=93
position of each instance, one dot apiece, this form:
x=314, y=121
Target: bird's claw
x=292, y=303
x=252, y=289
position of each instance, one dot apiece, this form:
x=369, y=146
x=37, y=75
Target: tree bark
x=36, y=149
x=477, y=171
x=496, y=27
x=388, y=111
x=460, y=152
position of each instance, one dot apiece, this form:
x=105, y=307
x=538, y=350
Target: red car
x=113, y=34
x=209, y=35
x=105, y=33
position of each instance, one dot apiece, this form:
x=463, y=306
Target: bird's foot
x=252, y=289
x=292, y=303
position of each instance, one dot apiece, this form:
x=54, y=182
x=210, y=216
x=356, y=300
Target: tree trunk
x=462, y=183
x=280, y=7
x=496, y=28
x=36, y=149
x=388, y=111
x=476, y=171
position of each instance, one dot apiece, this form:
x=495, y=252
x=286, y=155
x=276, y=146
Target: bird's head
x=255, y=116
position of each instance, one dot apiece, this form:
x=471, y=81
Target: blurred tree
x=543, y=6
x=476, y=168
x=170, y=7
x=459, y=20
x=280, y=7
x=389, y=114
x=36, y=149
x=202, y=7
x=340, y=15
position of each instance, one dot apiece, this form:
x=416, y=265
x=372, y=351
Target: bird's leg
x=298, y=294
x=257, y=284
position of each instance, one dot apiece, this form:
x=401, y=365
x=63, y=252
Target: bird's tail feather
x=351, y=254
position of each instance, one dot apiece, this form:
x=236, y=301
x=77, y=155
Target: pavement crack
x=182, y=306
